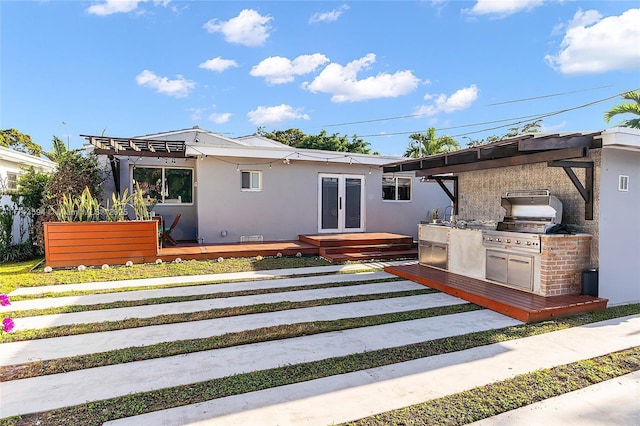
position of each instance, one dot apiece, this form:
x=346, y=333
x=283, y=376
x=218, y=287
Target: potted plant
x=435, y=216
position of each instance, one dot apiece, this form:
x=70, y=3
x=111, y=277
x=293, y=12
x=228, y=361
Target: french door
x=340, y=203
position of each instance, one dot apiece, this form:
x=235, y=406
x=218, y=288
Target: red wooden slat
x=97, y=243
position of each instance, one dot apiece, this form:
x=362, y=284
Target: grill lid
x=531, y=207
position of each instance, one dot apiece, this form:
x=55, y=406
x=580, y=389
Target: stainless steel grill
x=511, y=247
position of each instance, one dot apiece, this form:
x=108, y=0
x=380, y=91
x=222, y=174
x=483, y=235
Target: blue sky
x=381, y=70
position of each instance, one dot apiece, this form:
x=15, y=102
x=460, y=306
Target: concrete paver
x=67, y=346
x=206, y=278
x=614, y=402
x=355, y=395
x=61, y=390
x=192, y=290
x=149, y=311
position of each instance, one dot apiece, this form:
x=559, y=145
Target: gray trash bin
x=590, y=282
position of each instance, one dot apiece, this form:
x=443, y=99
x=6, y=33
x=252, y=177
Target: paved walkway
x=364, y=393
x=316, y=402
x=614, y=402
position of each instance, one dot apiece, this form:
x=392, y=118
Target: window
x=396, y=188
x=251, y=181
x=623, y=183
x=12, y=181
x=164, y=184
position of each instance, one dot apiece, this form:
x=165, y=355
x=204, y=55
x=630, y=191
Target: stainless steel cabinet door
x=439, y=256
x=497, y=266
x=520, y=271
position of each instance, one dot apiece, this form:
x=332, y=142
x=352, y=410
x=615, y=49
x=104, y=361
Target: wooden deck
x=187, y=251
x=515, y=303
x=333, y=247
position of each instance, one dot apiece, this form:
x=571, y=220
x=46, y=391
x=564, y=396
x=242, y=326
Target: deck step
x=366, y=248
x=353, y=239
x=372, y=255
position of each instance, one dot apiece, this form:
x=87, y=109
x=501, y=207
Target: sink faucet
x=452, y=217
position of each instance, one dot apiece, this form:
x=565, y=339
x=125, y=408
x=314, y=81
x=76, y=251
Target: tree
x=322, y=141
x=626, y=108
x=30, y=195
x=428, y=144
x=532, y=127
x=74, y=173
x=12, y=138
x=291, y=137
x=58, y=149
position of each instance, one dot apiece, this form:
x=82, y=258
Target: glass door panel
x=329, y=203
x=353, y=203
x=341, y=203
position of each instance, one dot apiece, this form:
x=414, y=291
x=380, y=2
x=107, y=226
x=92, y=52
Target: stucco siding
x=287, y=205
x=619, y=212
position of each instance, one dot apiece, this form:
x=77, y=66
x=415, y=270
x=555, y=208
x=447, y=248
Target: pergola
x=133, y=147
x=556, y=150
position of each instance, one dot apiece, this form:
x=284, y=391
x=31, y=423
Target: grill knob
x=528, y=243
x=508, y=240
x=517, y=241
x=498, y=239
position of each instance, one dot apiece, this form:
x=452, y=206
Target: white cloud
x=502, y=8
x=196, y=113
x=343, y=84
x=109, y=7
x=220, y=118
x=592, y=44
x=279, y=70
x=218, y=64
x=330, y=16
x=249, y=28
x=275, y=115
x=179, y=88
x=461, y=99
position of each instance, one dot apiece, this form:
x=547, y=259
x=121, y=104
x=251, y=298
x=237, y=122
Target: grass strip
x=87, y=292
x=264, y=334
x=75, y=329
x=13, y=276
x=506, y=395
x=95, y=413
x=190, y=298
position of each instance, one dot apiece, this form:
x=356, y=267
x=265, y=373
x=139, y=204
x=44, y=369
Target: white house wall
x=287, y=205
x=12, y=161
x=619, y=274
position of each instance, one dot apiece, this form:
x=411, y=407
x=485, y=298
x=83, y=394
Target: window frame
x=251, y=188
x=12, y=181
x=161, y=202
x=395, y=186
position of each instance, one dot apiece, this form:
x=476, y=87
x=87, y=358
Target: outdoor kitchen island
x=547, y=265
x=528, y=266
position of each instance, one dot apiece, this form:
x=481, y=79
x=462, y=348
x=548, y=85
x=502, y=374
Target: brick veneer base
x=563, y=259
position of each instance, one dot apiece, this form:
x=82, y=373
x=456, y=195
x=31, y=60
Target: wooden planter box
x=99, y=243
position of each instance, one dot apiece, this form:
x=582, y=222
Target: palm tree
x=59, y=148
x=422, y=145
x=626, y=108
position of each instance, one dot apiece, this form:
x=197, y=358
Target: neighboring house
x=596, y=175
x=253, y=188
x=12, y=164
